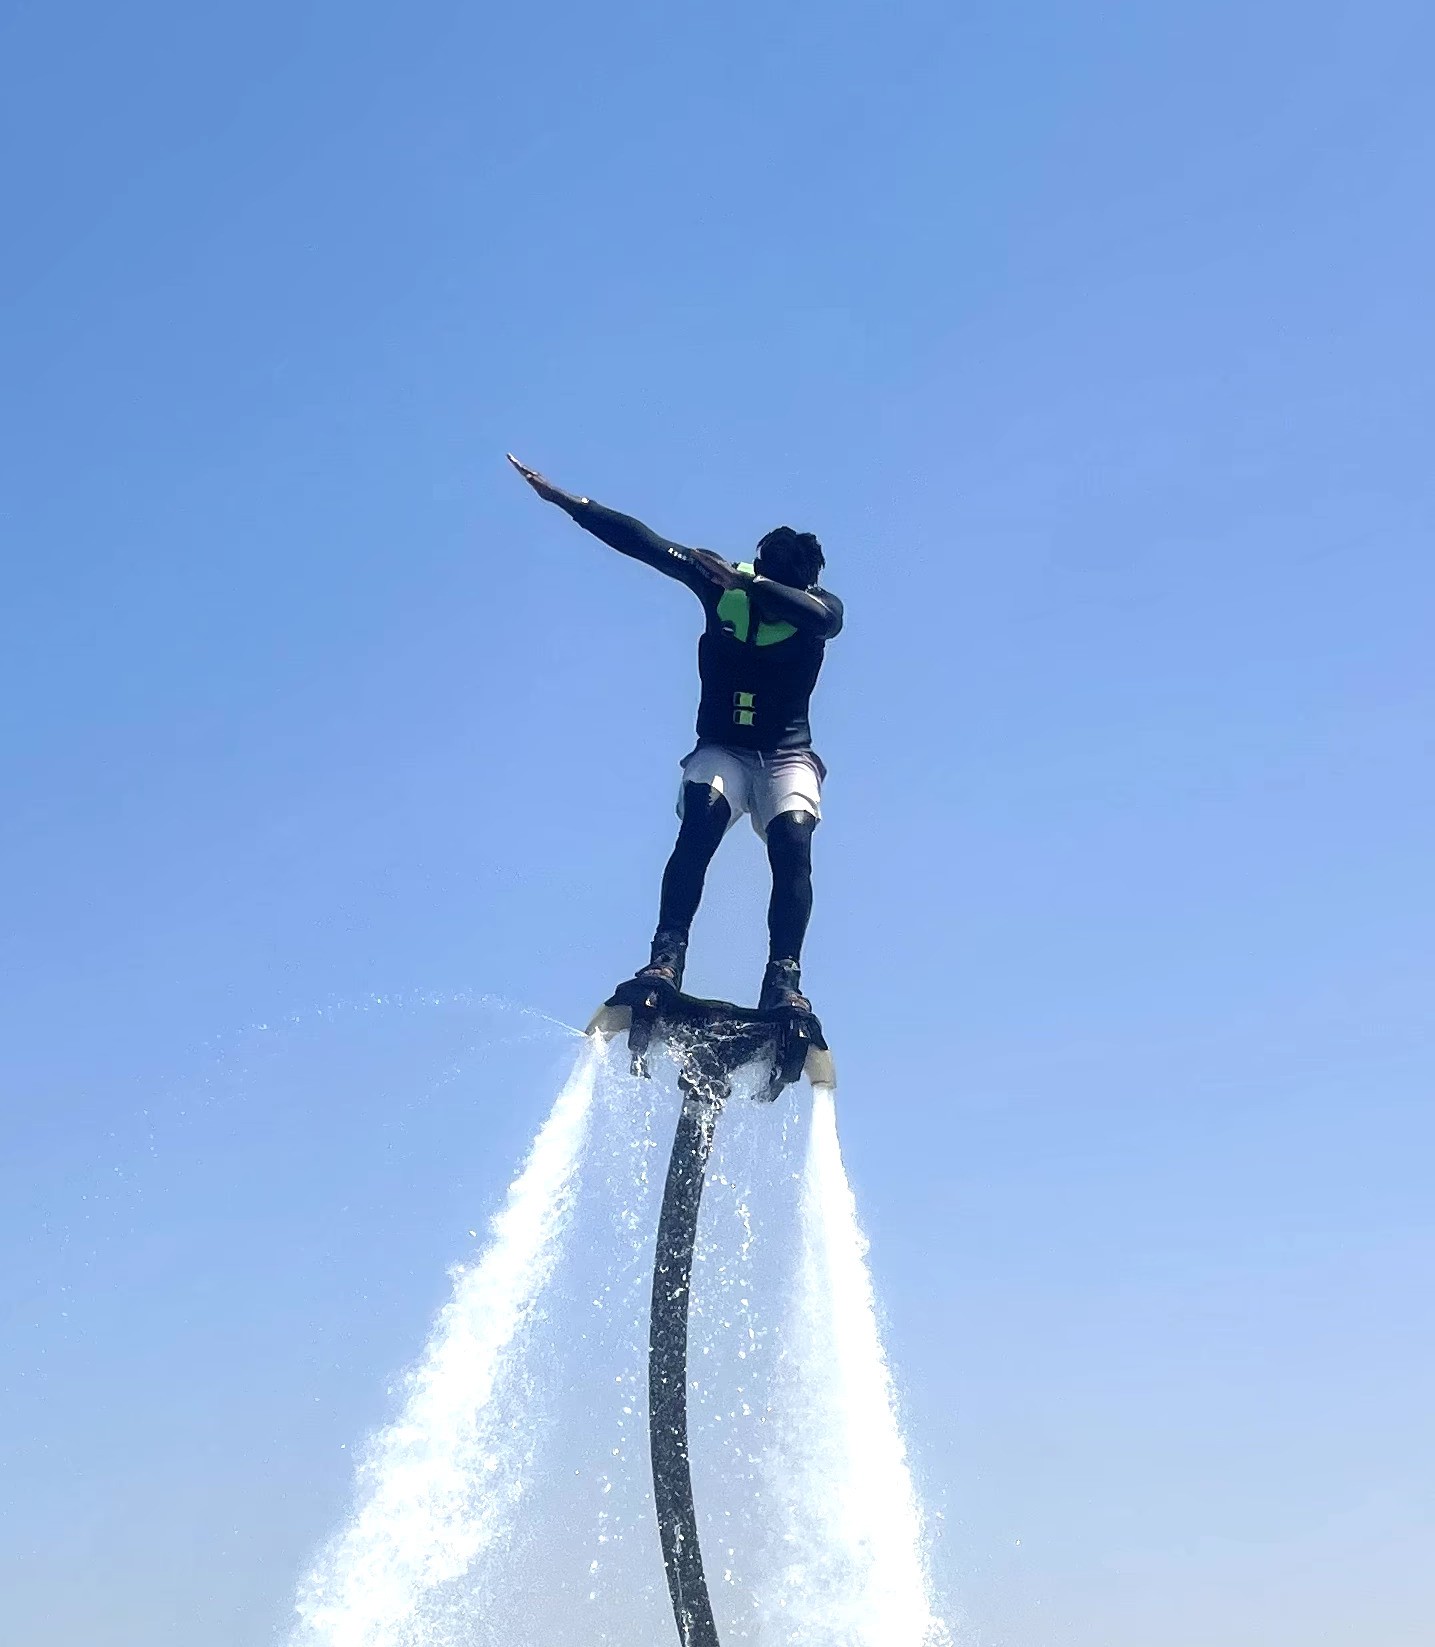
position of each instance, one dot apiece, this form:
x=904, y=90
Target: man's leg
x=706, y=815
x=789, y=851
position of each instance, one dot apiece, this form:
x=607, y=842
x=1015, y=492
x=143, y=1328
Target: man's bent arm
x=781, y=603
x=778, y=602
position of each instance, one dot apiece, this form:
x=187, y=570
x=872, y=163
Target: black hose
x=668, y=1372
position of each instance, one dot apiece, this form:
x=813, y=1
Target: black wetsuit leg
x=706, y=816
x=789, y=851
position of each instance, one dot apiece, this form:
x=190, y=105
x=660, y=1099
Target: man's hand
x=717, y=570
x=541, y=484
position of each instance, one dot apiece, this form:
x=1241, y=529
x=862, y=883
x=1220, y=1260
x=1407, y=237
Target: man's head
x=793, y=558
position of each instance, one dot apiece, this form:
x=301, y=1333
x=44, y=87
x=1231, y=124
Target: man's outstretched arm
x=694, y=567
x=699, y=569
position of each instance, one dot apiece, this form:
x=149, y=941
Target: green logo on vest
x=735, y=615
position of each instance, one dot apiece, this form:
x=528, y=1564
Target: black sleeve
x=812, y=610
x=630, y=537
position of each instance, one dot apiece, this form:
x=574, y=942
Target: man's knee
x=706, y=814
x=789, y=838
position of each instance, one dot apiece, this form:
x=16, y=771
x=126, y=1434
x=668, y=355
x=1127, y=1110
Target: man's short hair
x=802, y=546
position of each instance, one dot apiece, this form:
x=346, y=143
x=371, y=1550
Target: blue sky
x=1095, y=342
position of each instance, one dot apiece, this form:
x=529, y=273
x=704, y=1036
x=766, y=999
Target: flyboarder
x=768, y=624
x=767, y=628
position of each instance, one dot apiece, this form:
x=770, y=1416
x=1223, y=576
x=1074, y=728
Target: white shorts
x=762, y=785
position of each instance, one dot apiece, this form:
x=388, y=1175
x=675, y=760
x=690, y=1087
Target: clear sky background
x=1095, y=341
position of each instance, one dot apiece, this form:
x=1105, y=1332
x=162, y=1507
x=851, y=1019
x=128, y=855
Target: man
x=761, y=650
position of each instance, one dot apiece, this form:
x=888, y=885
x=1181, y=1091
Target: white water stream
x=853, y=1570
x=437, y=1487
x=509, y=1501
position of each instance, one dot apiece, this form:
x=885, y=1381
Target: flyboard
x=709, y=1042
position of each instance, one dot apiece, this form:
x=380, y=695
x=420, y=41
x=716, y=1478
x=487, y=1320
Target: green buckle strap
x=744, y=708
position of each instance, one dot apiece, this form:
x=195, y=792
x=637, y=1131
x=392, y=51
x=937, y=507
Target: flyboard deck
x=709, y=1042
